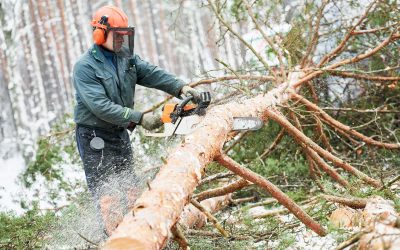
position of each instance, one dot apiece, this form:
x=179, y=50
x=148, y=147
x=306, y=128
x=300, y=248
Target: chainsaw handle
x=205, y=99
x=183, y=104
x=179, y=109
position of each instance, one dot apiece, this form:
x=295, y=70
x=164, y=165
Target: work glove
x=151, y=121
x=189, y=91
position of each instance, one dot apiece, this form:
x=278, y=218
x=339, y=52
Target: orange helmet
x=107, y=17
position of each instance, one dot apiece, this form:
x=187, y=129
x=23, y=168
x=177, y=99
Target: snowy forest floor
x=74, y=225
x=77, y=228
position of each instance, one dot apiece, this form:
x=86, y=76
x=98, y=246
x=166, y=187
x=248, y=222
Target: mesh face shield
x=123, y=41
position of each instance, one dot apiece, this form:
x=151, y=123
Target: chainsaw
x=182, y=118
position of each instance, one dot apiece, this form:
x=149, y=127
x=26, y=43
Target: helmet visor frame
x=123, y=41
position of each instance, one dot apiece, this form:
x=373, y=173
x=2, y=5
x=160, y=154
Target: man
x=104, y=79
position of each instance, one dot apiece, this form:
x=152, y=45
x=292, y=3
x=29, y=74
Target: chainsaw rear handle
x=205, y=100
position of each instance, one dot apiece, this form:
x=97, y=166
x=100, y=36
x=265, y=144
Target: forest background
x=41, y=40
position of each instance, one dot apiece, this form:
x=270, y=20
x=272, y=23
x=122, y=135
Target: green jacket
x=105, y=99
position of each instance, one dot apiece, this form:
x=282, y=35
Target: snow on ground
x=10, y=169
x=303, y=238
x=307, y=240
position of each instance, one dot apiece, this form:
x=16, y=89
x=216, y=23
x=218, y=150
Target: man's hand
x=189, y=91
x=150, y=121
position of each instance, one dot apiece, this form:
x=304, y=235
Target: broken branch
x=230, y=188
x=213, y=80
x=215, y=177
x=313, y=157
x=342, y=44
x=350, y=202
x=324, y=153
x=275, y=192
x=364, y=77
x=210, y=217
x=179, y=237
x=274, y=144
x=332, y=122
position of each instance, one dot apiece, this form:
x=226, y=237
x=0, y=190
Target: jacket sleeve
x=155, y=77
x=91, y=92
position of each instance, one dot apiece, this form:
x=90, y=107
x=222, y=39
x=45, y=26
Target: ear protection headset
x=100, y=30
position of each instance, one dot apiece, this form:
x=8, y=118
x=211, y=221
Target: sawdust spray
x=80, y=225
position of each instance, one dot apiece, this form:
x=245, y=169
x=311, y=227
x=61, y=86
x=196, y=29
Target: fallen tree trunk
x=378, y=219
x=382, y=218
x=158, y=209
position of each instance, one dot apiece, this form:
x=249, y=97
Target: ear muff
x=99, y=32
x=99, y=36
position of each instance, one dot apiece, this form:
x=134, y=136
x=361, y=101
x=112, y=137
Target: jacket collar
x=96, y=52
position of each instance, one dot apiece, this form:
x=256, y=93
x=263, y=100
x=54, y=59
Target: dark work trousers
x=108, y=171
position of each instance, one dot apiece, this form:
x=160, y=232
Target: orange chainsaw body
x=169, y=108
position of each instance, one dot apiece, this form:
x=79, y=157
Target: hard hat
x=105, y=18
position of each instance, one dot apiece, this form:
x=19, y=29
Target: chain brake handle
x=205, y=99
x=179, y=109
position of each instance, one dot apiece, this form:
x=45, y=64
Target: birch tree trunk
x=52, y=64
x=64, y=34
x=62, y=68
x=7, y=120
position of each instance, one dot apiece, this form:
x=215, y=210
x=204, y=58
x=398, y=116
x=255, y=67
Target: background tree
x=341, y=58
